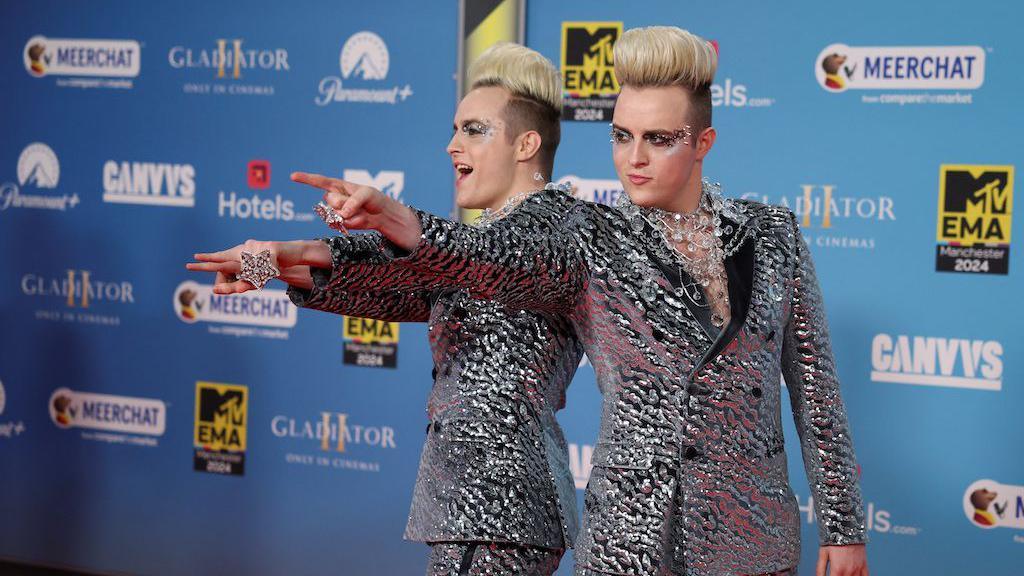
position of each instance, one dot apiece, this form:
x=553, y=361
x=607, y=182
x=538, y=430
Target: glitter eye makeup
x=476, y=128
x=657, y=138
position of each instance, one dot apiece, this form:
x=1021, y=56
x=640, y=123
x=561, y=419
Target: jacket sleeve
x=364, y=280
x=818, y=410
x=531, y=260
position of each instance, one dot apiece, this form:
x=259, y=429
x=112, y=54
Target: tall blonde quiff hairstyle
x=658, y=56
x=535, y=93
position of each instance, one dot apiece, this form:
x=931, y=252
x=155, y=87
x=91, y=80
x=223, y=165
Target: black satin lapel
x=739, y=269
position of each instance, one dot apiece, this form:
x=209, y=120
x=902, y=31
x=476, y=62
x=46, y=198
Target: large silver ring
x=330, y=217
x=257, y=269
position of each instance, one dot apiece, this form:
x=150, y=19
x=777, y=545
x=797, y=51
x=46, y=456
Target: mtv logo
x=978, y=190
x=390, y=182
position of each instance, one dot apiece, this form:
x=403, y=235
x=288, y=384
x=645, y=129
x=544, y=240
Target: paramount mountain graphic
x=40, y=178
x=366, y=69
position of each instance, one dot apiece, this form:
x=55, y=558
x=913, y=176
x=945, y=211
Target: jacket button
x=658, y=334
x=692, y=389
x=690, y=453
x=756, y=392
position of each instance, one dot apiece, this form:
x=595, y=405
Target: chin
x=641, y=197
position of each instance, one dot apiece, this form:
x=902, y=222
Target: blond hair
x=520, y=70
x=658, y=56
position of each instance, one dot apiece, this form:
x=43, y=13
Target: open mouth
x=462, y=170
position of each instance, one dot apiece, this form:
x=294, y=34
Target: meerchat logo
x=221, y=422
x=79, y=57
x=364, y=62
x=605, y=192
x=370, y=343
x=975, y=219
x=149, y=183
x=195, y=302
x=390, y=182
x=588, y=75
x=38, y=169
x=989, y=504
x=840, y=67
x=122, y=414
x=931, y=361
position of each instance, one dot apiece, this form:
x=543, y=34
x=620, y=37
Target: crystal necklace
x=695, y=243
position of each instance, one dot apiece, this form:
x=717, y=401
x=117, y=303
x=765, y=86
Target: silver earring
x=538, y=176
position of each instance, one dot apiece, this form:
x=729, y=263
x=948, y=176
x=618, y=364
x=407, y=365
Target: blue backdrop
x=148, y=427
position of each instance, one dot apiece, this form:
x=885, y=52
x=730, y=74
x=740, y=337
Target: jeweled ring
x=330, y=217
x=258, y=269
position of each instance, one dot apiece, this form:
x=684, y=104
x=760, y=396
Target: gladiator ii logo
x=975, y=217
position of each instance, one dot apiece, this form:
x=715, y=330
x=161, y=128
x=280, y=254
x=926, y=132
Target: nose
x=454, y=145
x=637, y=154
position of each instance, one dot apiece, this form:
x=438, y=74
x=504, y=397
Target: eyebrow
x=470, y=121
x=647, y=132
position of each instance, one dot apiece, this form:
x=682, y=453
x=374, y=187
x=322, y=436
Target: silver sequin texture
x=495, y=463
x=689, y=475
x=484, y=559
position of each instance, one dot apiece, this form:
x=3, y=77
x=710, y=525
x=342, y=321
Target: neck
x=688, y=199
x=523, y=181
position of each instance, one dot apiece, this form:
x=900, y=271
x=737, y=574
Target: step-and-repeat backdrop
x=149, y=426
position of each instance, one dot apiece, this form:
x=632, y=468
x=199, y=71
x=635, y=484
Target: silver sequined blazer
x=689, y=472
x=494, y=466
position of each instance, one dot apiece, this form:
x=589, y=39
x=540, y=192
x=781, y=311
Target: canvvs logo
x=38, y=169
x=96, y=63
x=259, y=205
x=931, y=361
x=149, y=183
x=364, y=63
x=589, y=86
x=9, y=429
x=975, y=219
x=988, y=504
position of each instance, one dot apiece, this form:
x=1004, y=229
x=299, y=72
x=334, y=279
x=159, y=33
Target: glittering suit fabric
x=689, y=472
x=495, y=464
x=491, y=559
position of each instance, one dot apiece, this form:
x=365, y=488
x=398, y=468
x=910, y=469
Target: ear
x=528, y=146
x=705, y=140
